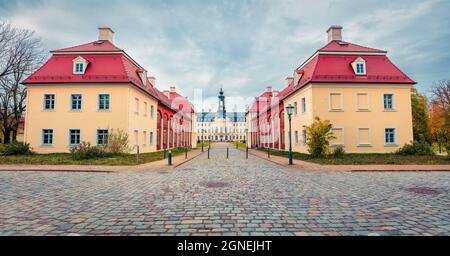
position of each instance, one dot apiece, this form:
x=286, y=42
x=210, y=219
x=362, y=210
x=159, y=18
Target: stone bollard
x=169, y=159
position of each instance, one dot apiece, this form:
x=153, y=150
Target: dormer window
x=79, y=68
x=143, y=76
x=359, y=66
x=79, y=65
x=297, y=76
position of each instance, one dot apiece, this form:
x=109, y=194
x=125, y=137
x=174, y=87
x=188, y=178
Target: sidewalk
x=307, y=166
x=152, y=166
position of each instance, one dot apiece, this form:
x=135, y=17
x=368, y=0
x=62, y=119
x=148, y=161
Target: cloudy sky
x=243, y=46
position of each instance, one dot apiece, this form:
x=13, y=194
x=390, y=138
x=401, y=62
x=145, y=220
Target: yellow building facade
x=366, y=98
x=357, y=114
x=129, y=110
x=85, y=92
x=221, y=125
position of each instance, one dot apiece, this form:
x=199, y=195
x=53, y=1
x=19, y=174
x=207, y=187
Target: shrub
x=85, y=151
x=421, y=148
x=318, y=136
x=117, y=142
x=338, y=151
x=16, y=148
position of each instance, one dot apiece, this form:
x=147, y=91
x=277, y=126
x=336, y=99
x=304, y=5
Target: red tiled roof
x=379, y=69
x=342, y=46
x=329, y=68
x=261, y=102
x=183, y=100
x=107, y=64
x=96, y=46
x=111, y=68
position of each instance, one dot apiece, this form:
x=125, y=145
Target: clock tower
x=221, y=111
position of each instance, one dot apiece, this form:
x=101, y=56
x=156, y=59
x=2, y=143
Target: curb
x=187, y=160
x=58, y=170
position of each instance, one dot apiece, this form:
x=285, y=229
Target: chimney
x=167, y=93
x=289, y=81
x=152, y=80
x=172, y=89
x=269, y=89
x=275, y=93
x=105, y=34
x=334, y=33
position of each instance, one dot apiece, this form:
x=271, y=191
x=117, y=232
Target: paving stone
x=260, y=198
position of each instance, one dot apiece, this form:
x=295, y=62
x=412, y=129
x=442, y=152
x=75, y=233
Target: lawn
x=66, y=159
x=354, y=159
x=240, y=144
x=437, y=150
x=205, y=144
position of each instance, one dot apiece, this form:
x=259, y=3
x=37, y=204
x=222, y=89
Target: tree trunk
x=14, y=135
x=7, y=136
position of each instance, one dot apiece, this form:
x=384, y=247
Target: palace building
x=221, y=125
x=84, y=92
x=358, y=89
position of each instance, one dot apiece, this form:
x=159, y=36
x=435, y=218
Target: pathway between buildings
x=221, y=196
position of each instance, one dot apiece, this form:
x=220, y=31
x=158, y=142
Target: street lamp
x=290, y=110
x=203, y=123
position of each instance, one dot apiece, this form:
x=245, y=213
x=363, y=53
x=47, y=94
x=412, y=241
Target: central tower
x=221, y=111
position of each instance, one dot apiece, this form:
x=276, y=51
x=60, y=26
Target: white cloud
x=243, y=46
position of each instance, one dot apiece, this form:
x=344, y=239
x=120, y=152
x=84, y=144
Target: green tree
x=117, y=142
x=420, y=115
x=318, y=137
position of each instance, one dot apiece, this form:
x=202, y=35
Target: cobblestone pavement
x=223, y=196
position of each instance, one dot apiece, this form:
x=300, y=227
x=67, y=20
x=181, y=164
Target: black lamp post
x=203, y=123
x=290, y=110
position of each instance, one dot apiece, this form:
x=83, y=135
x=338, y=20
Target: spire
x=221, y=111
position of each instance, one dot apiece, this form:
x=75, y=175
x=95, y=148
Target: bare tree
x=440, y=114
x=21, y=53
x=441, y=94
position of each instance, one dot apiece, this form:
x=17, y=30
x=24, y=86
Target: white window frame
x=343, y=136
x=359, y=138
x=69, y=137
x=359, y=61
x=360, y=69
x=303, y=102
x=54, y=102
x=296, y=137
x=145, y=109
x=330, y=105
x=394, y=106
x=80, y=61
x=304, y=136
x=395, y=144
x=42, y=137
x=144, y=141
x=358, y=107
x=152, y=111
x=97, y=133
x=136, y=105
x=136, y=137
x=151, y=138
x=71, y=102
x=98, y=102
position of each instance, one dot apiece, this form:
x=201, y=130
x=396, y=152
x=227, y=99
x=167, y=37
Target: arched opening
x=158, y=130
